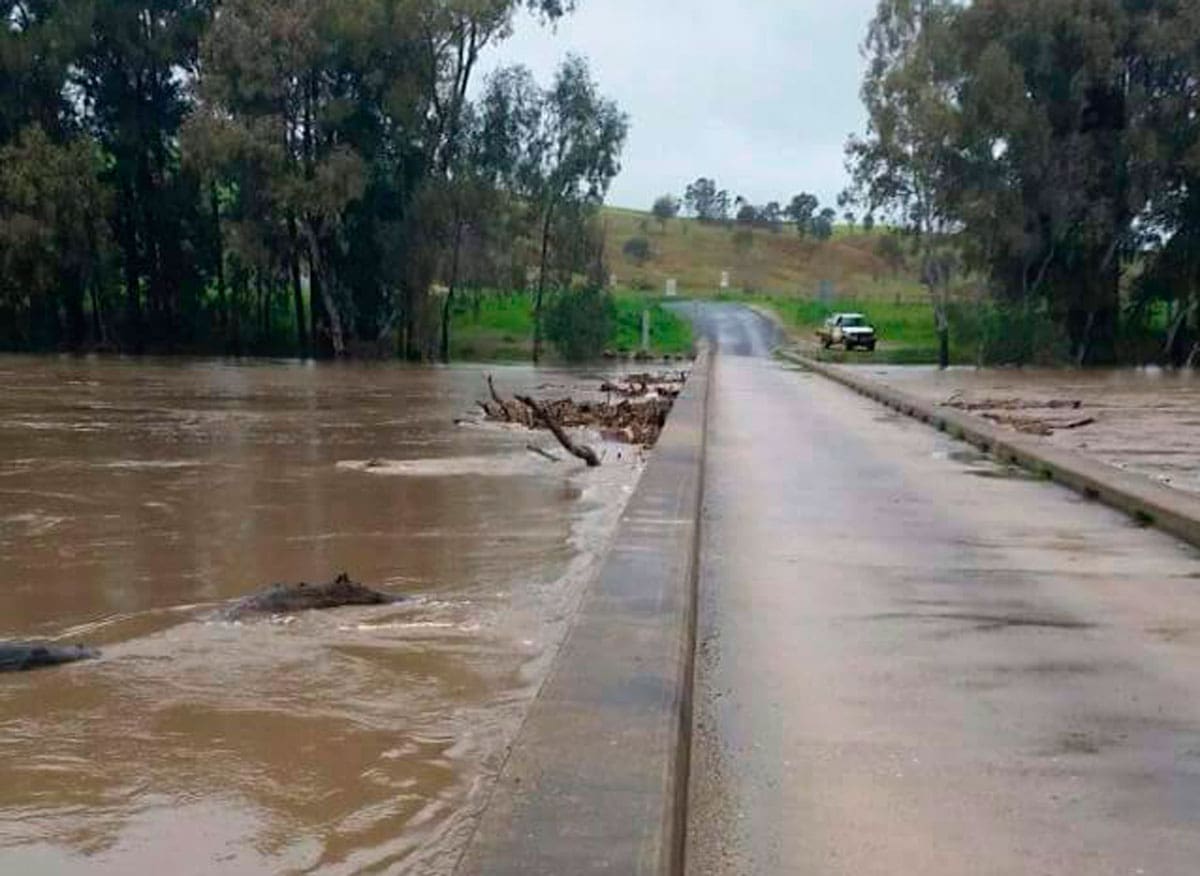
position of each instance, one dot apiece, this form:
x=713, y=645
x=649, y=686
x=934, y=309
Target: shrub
x=637, y=250
x=580, y=322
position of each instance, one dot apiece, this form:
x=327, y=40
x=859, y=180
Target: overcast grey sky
x=759, y=94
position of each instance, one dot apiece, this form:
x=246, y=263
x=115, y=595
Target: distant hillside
x=762, y=261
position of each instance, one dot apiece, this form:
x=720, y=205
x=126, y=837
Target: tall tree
x=706, y=201
x=903, y=165
x=566, y=144
x=52, y=213
x=135, y=77
x=801, y=210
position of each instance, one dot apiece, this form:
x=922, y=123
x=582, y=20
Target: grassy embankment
x=778, y=271
x=499, y=328
x=784, y=273
x=906, y=329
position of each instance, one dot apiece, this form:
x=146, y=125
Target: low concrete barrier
x=596, y=781
x=1144, y=500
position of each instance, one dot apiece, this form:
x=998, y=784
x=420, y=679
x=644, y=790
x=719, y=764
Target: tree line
x=705, y=201
x=313, y=177
x=1046, y=153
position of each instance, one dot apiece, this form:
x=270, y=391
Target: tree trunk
x=302, y=331
x=580, y=451
x=73, y=305
x=447, y=307
x=132, y=262
x=237, y=295
x=260, y=293
x=219, y=259
x=99, y=336
x=541, y=287
x=337, y=337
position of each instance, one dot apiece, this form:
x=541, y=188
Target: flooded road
x=1146, y=420
x=137, y=497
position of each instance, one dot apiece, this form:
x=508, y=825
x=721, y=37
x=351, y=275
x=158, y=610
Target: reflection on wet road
x=136, y=497
x=736, y=330
x=913, y=660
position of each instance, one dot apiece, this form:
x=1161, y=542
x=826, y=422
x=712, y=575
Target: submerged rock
x=291, y=598
x=24, y=656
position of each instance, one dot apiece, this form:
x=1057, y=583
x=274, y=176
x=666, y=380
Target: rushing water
x=135, y=497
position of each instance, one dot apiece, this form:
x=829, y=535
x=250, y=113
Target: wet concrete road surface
x=916, y=661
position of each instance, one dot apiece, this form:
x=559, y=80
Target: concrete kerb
x=1148, y=503
x=596, y=781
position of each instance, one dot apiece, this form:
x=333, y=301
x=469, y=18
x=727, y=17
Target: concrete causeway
x=916, y=658
x=596, y=780
x=910, y=656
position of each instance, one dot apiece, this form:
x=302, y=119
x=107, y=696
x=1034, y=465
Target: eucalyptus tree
x=53, y=235
x=665, y=209
x=52, y=216
x=560, y=148
x=706, y=201
x=1042, y=144
x=903, y=167
x=134, y=77
x=800, y=211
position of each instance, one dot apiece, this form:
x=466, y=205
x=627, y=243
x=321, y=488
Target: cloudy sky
x=759, y=94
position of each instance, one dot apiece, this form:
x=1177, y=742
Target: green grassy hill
x=758, y=261
x=776, y=270
x=784, y=273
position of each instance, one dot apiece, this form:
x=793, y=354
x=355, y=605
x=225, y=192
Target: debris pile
x=645, y=386
x=1013, y=413
x=638, y=418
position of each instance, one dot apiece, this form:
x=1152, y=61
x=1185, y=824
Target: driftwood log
x=578, y=450
x=24, y=656
x=290, y=598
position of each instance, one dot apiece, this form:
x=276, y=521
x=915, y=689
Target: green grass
x=670, y=335
x=906, y=329
x=498, y=327
x=492, y=327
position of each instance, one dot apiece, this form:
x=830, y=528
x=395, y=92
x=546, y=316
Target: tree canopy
x=277, y=175
x=1050, y=145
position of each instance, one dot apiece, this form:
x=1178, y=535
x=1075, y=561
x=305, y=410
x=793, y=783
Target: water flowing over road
x=136, y=497
x=915, y=660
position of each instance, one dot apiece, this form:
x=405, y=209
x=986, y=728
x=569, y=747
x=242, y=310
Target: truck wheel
x=870, y=348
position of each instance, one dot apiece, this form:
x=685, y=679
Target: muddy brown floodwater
x=1147, y=421
x=135, y=497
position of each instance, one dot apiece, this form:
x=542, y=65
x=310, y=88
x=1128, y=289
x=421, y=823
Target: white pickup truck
x=850, y=330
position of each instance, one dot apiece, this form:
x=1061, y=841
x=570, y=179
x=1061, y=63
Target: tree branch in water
x=581, y=451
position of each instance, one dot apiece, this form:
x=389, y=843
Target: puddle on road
x=978, y=464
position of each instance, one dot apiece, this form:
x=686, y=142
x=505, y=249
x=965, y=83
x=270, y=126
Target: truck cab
x=849, y=330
